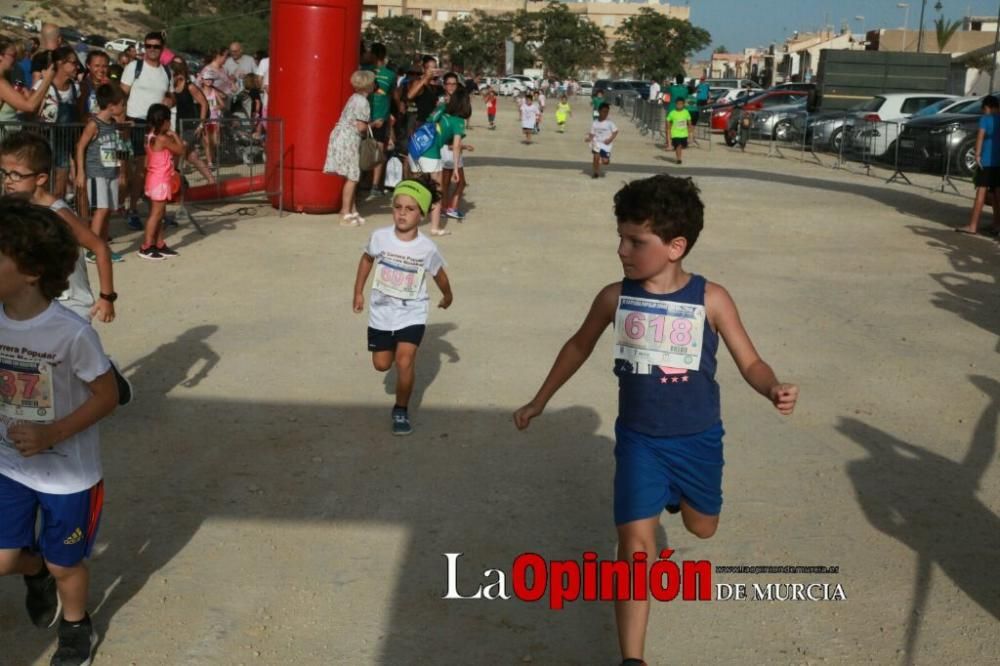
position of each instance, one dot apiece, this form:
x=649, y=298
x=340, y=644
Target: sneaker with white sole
x=455, y=214
x=151, y=254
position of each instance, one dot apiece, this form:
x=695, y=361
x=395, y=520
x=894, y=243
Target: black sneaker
x=166, y=251
x=76, y=643
x=151, y=253
x=401, y=422
x=124, y=386
x=41, y=600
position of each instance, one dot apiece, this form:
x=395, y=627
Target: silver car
x=781, y=123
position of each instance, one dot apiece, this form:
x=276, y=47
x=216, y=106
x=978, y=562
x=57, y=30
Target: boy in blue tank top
x=667, y=328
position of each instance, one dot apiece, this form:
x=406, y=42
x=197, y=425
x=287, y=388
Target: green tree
x=477, y=43
x=655, y=46
x=405, y=37
x=565, y=42
x=721, y=48
x=944, y=30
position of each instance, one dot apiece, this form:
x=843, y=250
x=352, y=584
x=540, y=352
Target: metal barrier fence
x=935, y=157
x=650, y=119
x=238, y=149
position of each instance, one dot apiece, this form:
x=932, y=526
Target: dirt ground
x=259, y=512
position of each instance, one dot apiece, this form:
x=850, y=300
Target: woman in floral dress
x=345, y=140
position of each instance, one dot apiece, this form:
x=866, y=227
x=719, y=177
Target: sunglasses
x=153, y=46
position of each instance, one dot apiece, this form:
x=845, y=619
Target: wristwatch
x=110, y=298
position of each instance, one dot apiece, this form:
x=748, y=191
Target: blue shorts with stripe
x=68, y=523
x=654, y=472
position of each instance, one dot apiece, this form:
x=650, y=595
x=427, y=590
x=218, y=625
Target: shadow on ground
x=465, y=481
x=930, y=503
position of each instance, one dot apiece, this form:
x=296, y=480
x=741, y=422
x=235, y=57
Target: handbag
x=393, y=171
x=369, y=152
x=425, y=136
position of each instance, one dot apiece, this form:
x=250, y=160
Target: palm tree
x=945, y=30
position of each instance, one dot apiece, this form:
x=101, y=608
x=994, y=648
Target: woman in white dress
x=345, y=141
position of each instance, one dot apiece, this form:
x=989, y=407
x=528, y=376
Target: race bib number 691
x=658, y=332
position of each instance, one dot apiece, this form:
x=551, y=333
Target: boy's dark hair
x=94, y=54
x=39, y=242
x=679, y=79
x=449, y=75
x=63, y=54
x=156, y=35
x=430, y=183
x=157, y=115
x=599, y=92
x=378, y=51
x=670, y=205
x=680, y=100
x=991, y=102
x=109, y=93
x=428, y=58
x=29, y=148
x=459, y=104
x=603, y=106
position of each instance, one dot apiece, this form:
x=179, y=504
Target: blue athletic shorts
x=68, y=522
x=654, y=472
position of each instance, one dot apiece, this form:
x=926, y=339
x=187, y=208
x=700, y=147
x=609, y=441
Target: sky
x=737, y=24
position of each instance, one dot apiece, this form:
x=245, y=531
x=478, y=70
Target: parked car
x=95, y=40
x=945, y=106
x=764, y=100
x=15, y=21
x=71, y=35
x=122, y=44
x=641, y=87
x=510, y=87
x=618, y=91
x=733, y=83
x=730, y=95
x=599, y=85
x=797, y=85
x=526, y=81
x=875, y=126
x=586, y=88
x=942, y=140
x=778, y=122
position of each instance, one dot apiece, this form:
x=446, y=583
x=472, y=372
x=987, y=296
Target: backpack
x=425, y=135
x=138, y=71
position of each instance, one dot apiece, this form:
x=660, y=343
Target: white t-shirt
x=49, y=111
x=529, y=115
x=50, y=359
x=79, y=297
x=654, y=92
x=237, y=69
x=150, y=88
x=601, y=130
x=264, y=72
x=399, y=288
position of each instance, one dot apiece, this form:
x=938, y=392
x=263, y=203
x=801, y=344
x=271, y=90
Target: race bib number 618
x=659, y=332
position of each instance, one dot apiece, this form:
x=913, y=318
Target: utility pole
x=920, y=35
x=996, y=42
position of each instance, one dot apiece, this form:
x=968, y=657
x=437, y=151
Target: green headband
x=412, y=188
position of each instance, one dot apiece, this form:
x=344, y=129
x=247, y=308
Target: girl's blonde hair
x=363, y=80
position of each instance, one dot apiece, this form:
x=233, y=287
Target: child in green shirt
x=678, y=122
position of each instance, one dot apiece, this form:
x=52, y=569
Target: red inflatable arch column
x=314, y=50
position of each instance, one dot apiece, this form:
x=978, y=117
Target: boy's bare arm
x=724, y=317
x=574, y=353
x=441, y=280
x=34, y=438
x=364, y=268
x=103, y=310
x=89, y=132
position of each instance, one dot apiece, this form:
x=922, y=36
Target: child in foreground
x=398, y=306
x=603, y=133
x=529, y=117
x=668, y=324
x=50, y=462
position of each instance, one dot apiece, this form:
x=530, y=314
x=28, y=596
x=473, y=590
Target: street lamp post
x=920, y=35
x=861, y=20
x=906, y=20
x=996, y=43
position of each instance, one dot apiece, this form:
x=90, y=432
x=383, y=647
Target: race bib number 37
x=398, y=280
x=26, y=392
x=659, y=332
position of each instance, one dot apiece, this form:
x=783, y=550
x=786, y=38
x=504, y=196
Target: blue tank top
x=669, y=402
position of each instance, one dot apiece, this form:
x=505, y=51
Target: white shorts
x=425, y=164
x=102, y=193
x=448, y=159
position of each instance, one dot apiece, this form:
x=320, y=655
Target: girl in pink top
x=162, y=144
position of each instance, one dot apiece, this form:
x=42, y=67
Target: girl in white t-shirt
x=398, y=306
x=529, y=117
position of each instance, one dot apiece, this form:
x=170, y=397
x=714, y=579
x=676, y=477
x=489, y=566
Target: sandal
x=350, y=220
x=963, y=230
x=440, y=232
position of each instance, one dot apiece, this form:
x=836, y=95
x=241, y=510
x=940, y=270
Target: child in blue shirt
x=987, y=176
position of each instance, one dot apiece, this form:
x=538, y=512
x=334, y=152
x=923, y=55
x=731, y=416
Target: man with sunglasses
x=146, y=82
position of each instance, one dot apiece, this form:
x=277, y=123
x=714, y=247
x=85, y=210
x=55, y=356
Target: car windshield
x=931, y=109
x=975, y=107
